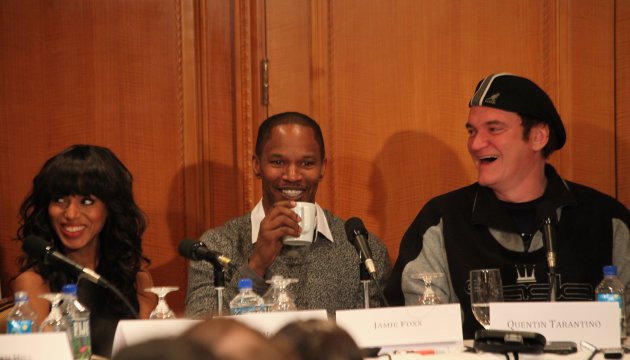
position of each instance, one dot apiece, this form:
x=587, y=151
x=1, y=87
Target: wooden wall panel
x=622, y=96
x=588, y=88
x=105, y=72
x=173, y=87
x=398, y=77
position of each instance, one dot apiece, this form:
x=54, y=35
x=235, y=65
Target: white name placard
x=270, y=323
x=37, y=346
x=130, y=332
x=404, y=326
x=592, y=321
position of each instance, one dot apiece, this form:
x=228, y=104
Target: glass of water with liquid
x=485, y=287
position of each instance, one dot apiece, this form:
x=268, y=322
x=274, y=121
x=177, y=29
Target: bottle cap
x=610, y=270
x=69, y=289
x=21, y=296
x=245, y=283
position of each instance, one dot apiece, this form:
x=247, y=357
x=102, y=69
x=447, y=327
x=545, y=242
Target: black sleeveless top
x=103, y=318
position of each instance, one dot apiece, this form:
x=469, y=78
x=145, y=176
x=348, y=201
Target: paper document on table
x=36, y=346
x=439, y=325
x=129, y=332
x=595, y=322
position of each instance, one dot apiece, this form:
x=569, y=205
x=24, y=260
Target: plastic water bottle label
x=245, y=310
x=81, y=328
x=81, y=345
x=611, y=297
x=20, y=326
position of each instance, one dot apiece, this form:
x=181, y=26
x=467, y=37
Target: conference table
x=130, y=332
x=428, y=343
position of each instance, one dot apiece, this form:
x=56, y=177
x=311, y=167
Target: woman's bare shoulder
x=30, y=281
x=144, y=279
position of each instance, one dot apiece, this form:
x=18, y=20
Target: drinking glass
x=55, y=321
x=485, y=287
x=429, y=297
x=284, y=300
x=162, y=310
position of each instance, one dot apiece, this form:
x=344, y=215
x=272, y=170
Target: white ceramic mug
x=308, y=213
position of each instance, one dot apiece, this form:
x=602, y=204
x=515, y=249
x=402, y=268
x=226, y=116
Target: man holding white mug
x=273, y=239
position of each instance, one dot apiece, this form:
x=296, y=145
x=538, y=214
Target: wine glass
x=429, y=297
x=162, y=310
x=485, y=287
x=284, y=300
x=272, y=293
x=55, y=321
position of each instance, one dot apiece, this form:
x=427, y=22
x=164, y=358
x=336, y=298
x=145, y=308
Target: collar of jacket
x=488, y=211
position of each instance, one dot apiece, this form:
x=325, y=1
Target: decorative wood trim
x=193, y=175
x=243, y=89
x=622, y=105
x=323, y=92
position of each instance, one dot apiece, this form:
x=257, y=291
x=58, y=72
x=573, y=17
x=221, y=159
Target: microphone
x=39, y=248
x=357, y=235
x=196, y=250
x=549, y=234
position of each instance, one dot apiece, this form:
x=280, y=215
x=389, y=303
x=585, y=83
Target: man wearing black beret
x=496, y=222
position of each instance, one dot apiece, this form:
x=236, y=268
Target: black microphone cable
x=116, y=292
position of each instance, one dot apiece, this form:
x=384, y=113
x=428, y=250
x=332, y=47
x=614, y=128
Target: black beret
x=520, y=95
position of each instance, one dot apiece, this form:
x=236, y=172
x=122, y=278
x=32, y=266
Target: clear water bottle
x=79, y=318
x=22, y=319
x=246, y=301
x=612, y=289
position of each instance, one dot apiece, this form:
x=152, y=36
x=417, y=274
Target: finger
x=285, y=203
x=282, y=220
x=282, y=214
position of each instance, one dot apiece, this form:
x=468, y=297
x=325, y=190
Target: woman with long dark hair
x=82, y=204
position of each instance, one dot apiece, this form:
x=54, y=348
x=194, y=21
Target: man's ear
x=256, y=166
x=323, y=171
x=539, y=136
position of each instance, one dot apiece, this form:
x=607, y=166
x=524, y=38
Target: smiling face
x=77, y=221
x=290, y=165
x=506, y=162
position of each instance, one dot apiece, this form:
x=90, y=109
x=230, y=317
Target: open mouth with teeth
x=72, y=230
x=292, y=193
x=488, y=159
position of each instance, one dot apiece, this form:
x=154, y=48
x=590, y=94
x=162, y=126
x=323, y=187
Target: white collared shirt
x=258, y=214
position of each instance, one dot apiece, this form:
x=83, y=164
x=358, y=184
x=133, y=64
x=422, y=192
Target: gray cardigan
x=327, y=272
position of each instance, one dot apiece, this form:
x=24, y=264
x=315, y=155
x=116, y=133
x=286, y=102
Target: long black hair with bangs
x=88, y=170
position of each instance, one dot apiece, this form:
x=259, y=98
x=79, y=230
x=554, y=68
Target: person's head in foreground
x=230, y=339
x=166, y=349
x=317, y=339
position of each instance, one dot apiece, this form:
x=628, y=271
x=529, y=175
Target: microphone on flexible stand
x=549, y=235
x=196, y=250
x=40, y=249
x=364, y=276
x=358, y=236
x=218, y=276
